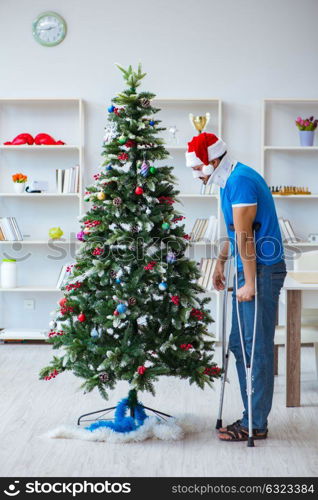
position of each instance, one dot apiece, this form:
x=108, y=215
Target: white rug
x=153, y=428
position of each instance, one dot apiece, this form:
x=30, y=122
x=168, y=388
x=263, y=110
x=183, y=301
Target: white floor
x=30, y=407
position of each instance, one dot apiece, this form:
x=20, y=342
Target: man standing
x=245, y=199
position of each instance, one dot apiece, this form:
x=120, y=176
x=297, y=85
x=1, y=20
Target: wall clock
x=49, y=29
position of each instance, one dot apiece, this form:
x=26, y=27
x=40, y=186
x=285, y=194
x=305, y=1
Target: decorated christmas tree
x=132, y=309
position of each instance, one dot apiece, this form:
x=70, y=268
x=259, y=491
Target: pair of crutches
x=248, y=365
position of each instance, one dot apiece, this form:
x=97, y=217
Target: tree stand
x=121, y=422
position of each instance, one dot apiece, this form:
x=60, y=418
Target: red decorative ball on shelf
x=139, y=190
x=116, y=313
x=63, y=301
x=81, y=317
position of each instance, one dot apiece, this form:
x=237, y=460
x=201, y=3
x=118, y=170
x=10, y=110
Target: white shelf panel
x=296, y=196
x=41, y=99
x=288, y=99
x=184, y=100
x=301, y=244
x=38, y=242
x=39, y=195
x=30, y=289
x=291, y=148
x=24, y=147
x=20, y=334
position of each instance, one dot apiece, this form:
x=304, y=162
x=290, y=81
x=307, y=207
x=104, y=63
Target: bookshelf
x=39, y=259
x=285, y=162
x=193, y=204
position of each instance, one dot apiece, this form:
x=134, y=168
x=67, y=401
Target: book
x=283, y=229
x=207, y=273
x=287, y=231
x=67, y=181
x=17, y=229
x=66, y=184
x=10, y=230
x=205, y=230
x=207, y=266
x=290, y=231
x=210, y=234
x=59, y=180
x=203, y=265
x=210, y=279
x=195, y=228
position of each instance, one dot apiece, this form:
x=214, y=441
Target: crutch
x=247, y=365
x=225, y=345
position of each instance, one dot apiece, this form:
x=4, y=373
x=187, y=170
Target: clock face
x=49, y=29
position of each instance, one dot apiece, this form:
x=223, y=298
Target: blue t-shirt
x=246, y=187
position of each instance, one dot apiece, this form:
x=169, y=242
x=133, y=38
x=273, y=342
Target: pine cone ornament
x=132, y=301
x=135, y=229
x=117, y=201
x=145, y=103
x=103, y=377
x=113, y=273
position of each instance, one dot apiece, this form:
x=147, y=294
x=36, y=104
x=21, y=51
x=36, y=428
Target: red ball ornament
x=116, y=313
x=81, y=317
x=63, y=301
x=141, y=370
x=139, y=190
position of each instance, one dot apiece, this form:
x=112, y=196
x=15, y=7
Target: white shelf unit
x=39, y=259
x=175, y=112
x=285, y=162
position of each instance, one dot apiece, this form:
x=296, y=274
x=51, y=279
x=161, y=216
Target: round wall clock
x=49, y=29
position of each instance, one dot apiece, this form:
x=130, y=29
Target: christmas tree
x=132, y=309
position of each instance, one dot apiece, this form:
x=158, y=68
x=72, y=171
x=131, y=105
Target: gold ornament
x=101, y=195
x=199, y=122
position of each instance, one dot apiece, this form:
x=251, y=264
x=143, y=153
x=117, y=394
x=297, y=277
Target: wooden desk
x=294, y=291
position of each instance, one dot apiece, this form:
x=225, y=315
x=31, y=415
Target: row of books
x=287, y=232
x=207, y=267
x=67, y=181
x=205, y=230
x=9, y=229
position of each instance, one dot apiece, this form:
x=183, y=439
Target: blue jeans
x=270, y=280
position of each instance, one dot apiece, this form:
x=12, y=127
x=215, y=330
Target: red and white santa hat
x=203, y=148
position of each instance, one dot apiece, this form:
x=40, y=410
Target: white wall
x=237, y=50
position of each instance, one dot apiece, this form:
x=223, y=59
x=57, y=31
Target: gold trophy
x=199, y=122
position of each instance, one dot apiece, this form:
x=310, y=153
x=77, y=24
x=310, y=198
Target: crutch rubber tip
x=218, y=423
x=250, y=442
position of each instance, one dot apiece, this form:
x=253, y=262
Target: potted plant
x=306, y=129
x=19, y=181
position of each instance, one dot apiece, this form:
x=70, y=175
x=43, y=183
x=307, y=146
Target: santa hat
x=203, y=148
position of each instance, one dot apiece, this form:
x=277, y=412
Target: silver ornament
x=110, y=132
x=94, y=333
x=52, y=324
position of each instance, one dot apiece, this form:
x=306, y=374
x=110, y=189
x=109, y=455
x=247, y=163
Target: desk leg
x=293, y=348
